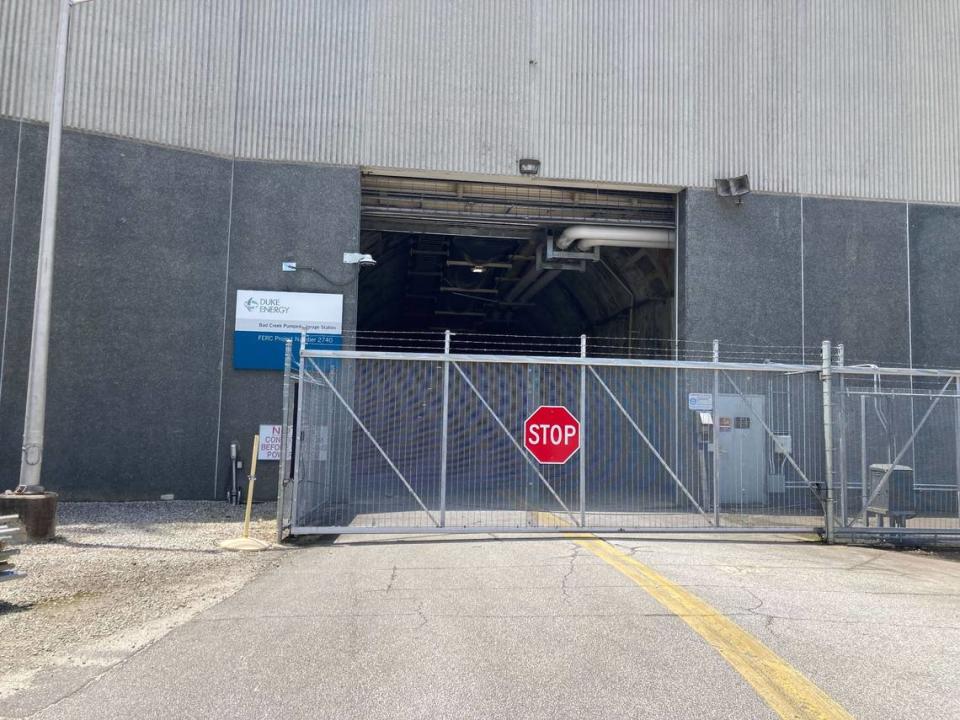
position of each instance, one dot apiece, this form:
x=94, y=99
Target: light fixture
x=529, y=166
x=733, y=187
x=361, y=259
x=478, y=269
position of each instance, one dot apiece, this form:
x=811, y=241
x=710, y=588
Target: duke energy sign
x=266, y=319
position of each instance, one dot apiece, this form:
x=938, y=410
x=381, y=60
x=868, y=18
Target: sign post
x=551, y=434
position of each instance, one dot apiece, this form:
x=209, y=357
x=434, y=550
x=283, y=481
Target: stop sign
x=551, y=434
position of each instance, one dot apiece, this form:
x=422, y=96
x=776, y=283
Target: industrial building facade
x=210, y=141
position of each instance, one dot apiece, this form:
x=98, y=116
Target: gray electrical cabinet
x=742, y=450
x=895, y=498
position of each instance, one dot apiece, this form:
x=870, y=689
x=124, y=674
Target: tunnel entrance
x=514, y=262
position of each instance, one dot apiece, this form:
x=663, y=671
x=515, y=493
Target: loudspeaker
x=732, y=187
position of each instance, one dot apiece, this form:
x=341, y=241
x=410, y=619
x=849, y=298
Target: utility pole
x=35, y=413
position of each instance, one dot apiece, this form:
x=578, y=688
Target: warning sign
x=270, y=439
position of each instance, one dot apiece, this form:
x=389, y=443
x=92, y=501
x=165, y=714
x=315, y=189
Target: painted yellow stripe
x=784, y=688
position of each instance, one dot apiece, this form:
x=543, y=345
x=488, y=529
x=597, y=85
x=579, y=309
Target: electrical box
x=783, y=445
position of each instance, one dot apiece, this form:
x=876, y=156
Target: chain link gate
x=390, y=442
x=898, y=451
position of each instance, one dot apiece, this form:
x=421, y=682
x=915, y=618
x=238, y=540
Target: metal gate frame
x=852, y=525
x=588, y=368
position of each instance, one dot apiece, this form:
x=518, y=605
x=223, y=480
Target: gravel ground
x=119, y=576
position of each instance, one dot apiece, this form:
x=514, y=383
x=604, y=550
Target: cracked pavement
x=535, y=627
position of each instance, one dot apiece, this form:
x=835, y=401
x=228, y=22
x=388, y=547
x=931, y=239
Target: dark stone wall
x=152, y=244
x=781, y=270
x=283, y=212
x=855, y=278
x=739, y=273
x=935, y=285
x=20, y=241
x=9, y=136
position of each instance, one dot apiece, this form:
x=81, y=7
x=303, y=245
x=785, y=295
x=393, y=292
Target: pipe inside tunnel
x=470, y=257
x=489, y=286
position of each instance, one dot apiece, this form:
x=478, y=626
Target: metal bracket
x=544, y=264
x=552, y=253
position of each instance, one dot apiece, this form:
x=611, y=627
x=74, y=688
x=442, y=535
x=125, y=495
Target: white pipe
x=589, y=243
x=589, y=236
x=36, y=407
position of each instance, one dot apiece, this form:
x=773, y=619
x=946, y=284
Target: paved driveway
x=542, y=627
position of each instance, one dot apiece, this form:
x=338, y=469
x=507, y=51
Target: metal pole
x=865, y=466
x=284, y=439
x=583, y=422
x=842, y=438
x=826, y=376
x=298, y=440
x=34, y=414
x=956, y=415
x=443, y=429
x=716, y=436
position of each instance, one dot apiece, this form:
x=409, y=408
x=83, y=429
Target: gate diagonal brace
x=515, y=443
x=776, y=440
x=906, y=446
x=643, y=437
x=377, y=445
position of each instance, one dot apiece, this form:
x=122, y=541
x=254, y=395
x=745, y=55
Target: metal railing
x=426, y=442
x=387, y=442
x=898, y=451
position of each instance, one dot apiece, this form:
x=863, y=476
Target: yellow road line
x=785, y=689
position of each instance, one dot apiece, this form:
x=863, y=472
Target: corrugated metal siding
x=851, y=98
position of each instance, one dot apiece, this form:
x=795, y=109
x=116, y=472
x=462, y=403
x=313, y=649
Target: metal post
x=865, y=466
x=284, y=439
x=34, y=414
x=298, y=445
x=443, y=429
x=956, y=415
x=583, y=422
x=716, y=436
x=826, y=376
x=842, y=438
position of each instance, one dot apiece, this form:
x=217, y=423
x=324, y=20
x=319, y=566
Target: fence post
x=443, y=428
x=956, y=413
x=716, y=436
x=284, y=439
x=583, y=421
x=826, y=377
x=842, y=437
x=298, y=439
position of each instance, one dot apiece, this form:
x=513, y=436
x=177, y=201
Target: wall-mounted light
x=361, y=259
x=529, y=166
x=478, y=269
x=735, y=187
x=350, y=258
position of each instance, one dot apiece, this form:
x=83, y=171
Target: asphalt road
x=543, y=627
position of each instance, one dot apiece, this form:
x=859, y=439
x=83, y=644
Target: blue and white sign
x=266, y=319
x=700, y=401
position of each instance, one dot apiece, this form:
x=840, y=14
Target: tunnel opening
x=516, y=268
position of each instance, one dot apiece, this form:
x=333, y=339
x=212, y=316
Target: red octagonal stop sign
x=551, y=434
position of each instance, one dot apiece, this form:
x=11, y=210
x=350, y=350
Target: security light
x=529, y=166
x=361, y=259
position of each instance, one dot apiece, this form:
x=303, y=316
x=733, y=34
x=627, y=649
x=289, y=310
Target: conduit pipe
x=589, y=236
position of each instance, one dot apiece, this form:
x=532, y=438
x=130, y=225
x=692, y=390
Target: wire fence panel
x=899, y=452
x=430, y=442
